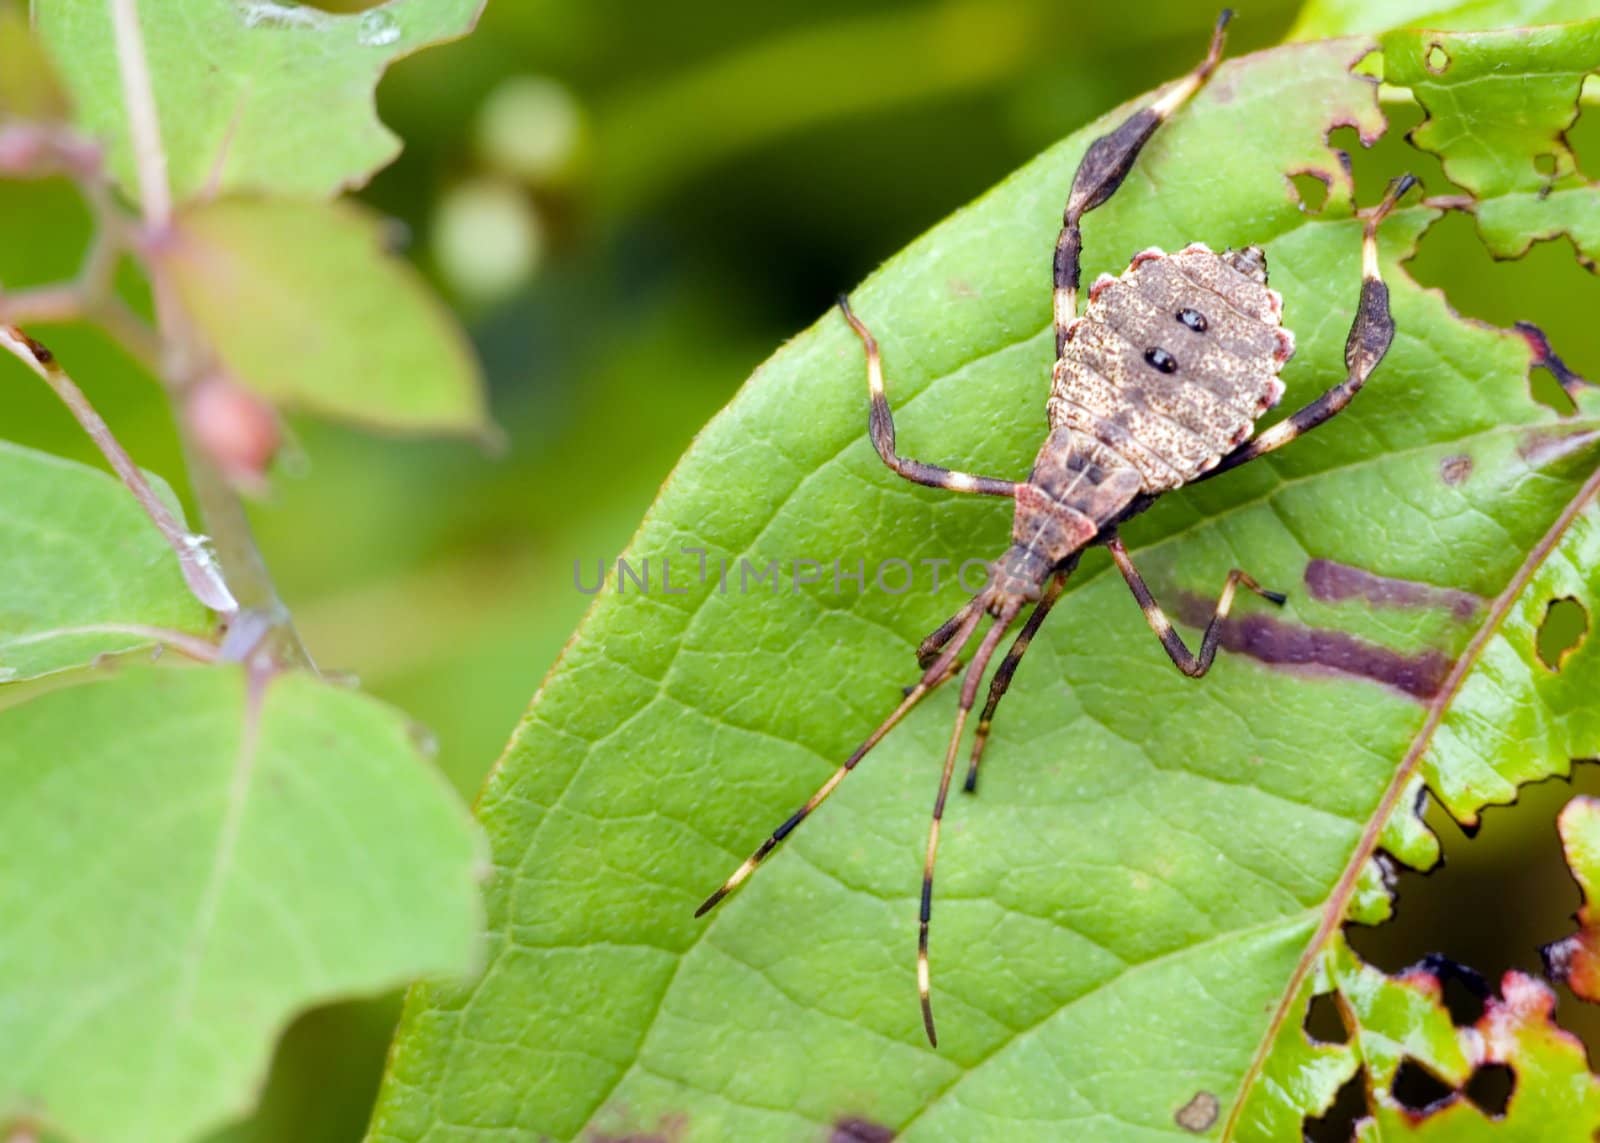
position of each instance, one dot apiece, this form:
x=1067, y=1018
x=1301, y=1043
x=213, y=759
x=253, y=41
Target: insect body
x=1158, y=384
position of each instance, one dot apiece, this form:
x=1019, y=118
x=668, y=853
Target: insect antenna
x=969, y=695
x=936, y=674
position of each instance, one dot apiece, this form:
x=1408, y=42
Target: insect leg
x=1105, y=164
x=1186, y=661
x=880, y=422
x=969, y=695
x=928, y=650
x=1008, y=667
x=1369, y=339
x=936, y=674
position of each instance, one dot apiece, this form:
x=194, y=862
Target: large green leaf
x=188, y=857
x=263, y=95
x=1125, y=908
x=85, y=572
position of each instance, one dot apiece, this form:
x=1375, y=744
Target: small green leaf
x=304, y=306
x=190, y=858
x=1499, y=105
x=1497, y=102
x=82, y=565
x=251, y=95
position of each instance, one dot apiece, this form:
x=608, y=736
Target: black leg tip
x=1276, y=597
x=1223, y=17
x=709, y=904
x=970, y=786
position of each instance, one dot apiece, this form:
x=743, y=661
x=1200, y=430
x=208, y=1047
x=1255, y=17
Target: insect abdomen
x=1173, y=362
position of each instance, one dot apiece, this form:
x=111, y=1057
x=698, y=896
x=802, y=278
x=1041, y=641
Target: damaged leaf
x=1149, y=856
x=1498, y=105
x=1553, y=1096
x=1575, y=960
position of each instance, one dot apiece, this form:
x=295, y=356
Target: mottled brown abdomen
x=1172, y=363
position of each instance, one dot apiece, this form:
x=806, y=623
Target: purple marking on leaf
x=1333, y=582
x=1270, y=640
x=853, y=1129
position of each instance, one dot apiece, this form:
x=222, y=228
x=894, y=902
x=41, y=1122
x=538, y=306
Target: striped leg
x=1008, y=667
x=880, y=422
x=937, y=673
x=1186, y=661
x=969, y=695
x=1105, y=164
x=1370, y=335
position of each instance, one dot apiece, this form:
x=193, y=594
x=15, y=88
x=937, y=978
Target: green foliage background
x=825, y=136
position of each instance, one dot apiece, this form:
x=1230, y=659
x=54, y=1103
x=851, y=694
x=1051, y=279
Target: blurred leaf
x=81, y=565
x=1125, y=912
x=1575, y=960
x=256, y=95
x=656, y=137
x=303, y=305
x=1323, y=18
x=192, y=857
x=29, y=88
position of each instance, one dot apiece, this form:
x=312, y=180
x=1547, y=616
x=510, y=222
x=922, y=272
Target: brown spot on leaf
x=1333, y=582
x=853, y=1129
x=1455, y=469
x=1280, y=644
x=1199, y=1113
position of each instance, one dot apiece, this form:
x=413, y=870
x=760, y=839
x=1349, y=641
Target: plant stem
x=200, y=570
x=138, y=96
x=179, y=353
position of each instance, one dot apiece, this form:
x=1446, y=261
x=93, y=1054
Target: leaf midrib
x=1334, y=909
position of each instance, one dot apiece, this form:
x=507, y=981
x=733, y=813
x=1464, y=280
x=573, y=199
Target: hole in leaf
x=1338, y=1123
x=1463, y=991
x=1494, y=900
x=1418, y=1089
x=1545, y=164
x=1437, y=59
x=1369, y=65
x=1310, y=190
x=1547, y=286
x=1490, y=1089
x=1547, y=391
x=1561, y=632
x=1323, y=1022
